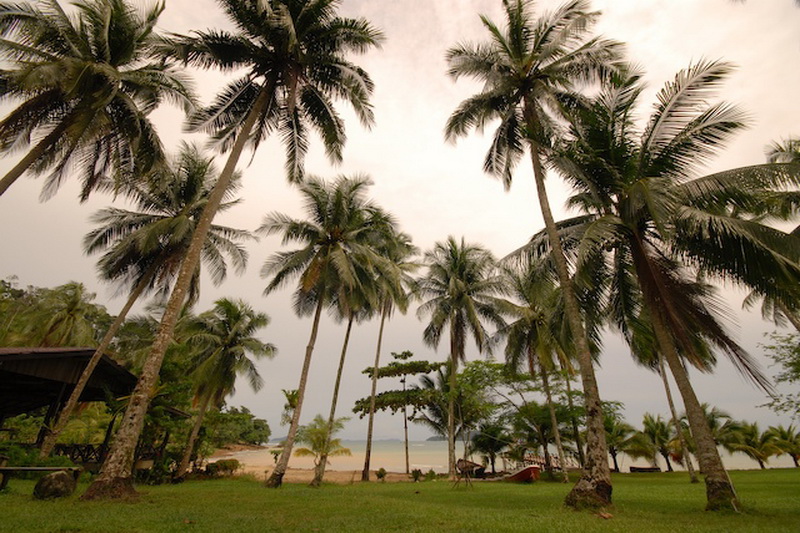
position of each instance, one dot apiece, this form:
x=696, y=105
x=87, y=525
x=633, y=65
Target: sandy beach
x=259, y=464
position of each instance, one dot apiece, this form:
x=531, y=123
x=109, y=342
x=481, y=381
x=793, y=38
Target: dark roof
x=31, y=378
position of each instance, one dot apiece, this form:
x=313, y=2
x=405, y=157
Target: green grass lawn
x=642, y=503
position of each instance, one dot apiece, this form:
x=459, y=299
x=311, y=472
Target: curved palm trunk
x=52, y=435
x=187, y=453
x=405, y=429
x=319, y=470
x=677, y=423
x=276, y=478
x=554, y=422
x=720, y=493
x=35, y=153
x=593, y=489
x=115, y=479
x=370, y=423
x=613, y=452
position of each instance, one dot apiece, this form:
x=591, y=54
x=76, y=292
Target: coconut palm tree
x=65, y=317
x=756, y=445
x=658, y=434
x=223, y=338
x=143, y=249
x=337, y=258
x=86, y=83
x=649, y=221
x=619, y=435
x=490, y=440
x=294, y=52
x=529, y=339
x=461, y=290
x=391, y=296
x=788, y=441
x=530, y=71
x=318, y=435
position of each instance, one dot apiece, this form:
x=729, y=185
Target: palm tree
x=318, y=435
x=223, y=338
x=460, y=286
x=338, y=258
x=657, y=432
x=757, y=445
x=144, y=248
x=65, y=317
x=530, y=71
x=788, y=441
x=619, y=435
x=294, y=53
x=529, y=336
x=490, y=440
x=648, y=220
x=87, y=83
x=391, y=295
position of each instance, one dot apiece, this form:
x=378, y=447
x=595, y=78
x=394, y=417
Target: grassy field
x=643, y=502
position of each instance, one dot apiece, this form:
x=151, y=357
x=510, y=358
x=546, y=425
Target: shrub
x=223, y=467
x=416, y=475
x=430, y=475
x=381, y=474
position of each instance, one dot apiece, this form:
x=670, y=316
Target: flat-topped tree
x=86, y=82
x=530, y=72
x=395, y=400
x=294, y=54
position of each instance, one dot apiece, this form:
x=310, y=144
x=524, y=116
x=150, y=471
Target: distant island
x=435, y=438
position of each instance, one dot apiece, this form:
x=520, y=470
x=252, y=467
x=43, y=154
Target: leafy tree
x=223, y=338
x=461, y=288
x=86, y=83
x=294, y=52
x=529, y=73
x=235, y=425
x=143, y=249
x=337, y=258
x=785, y=351
x=396, y=400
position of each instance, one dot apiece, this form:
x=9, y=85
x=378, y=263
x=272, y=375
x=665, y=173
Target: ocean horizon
x=432, y=455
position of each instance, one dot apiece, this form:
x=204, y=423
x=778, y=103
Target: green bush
x=416, y=475
x=223, y=467
x=381, y=474
x=430, y=475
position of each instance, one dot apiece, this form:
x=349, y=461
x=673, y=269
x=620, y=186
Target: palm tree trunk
x=370, y=423
x=451, y=411
x=187, y=453
x=72, y=402
x=115, y=480
x=573, y=418
x=35, y=153
x=593, y=489
x=720, y=493
x=319, y=470
x=613, y=453
x=553, y=421
x=405, y=428
x=677, y=422
x=276, y=478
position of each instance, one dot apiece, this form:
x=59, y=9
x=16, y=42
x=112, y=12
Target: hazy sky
x=437, y=189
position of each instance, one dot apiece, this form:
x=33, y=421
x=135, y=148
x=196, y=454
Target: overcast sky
x=437, y=189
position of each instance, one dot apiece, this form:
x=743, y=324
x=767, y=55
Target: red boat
x=524, y=475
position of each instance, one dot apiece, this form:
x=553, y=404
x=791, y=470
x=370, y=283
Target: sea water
x=432, y=455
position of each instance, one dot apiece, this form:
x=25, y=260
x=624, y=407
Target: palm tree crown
x=87, y=83
x=293, y=53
